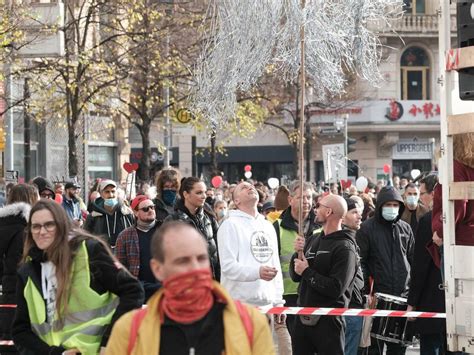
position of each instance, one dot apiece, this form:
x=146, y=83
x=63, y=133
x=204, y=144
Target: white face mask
x=412, y=200
x=390, y=213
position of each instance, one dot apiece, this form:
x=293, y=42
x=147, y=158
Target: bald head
x=337, y=204
x=177, y=248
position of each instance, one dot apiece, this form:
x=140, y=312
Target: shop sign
x=413, y=149
x=335, y=163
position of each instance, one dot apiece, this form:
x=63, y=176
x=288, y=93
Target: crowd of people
x=202, y=257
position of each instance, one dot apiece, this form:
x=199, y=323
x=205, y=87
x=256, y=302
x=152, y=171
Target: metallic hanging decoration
x=246, y=37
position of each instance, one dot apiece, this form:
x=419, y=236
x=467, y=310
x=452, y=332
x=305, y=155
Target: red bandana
x=188, y=296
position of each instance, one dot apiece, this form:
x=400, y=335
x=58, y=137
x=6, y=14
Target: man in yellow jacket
x=191, y=314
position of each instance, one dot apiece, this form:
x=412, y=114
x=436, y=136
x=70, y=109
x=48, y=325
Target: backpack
x=141, y=313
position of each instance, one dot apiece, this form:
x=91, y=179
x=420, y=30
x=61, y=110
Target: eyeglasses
x=147, y=208
x=47, y=195
x=48, y=226
x=319, y=204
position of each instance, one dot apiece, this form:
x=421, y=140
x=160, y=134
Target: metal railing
x=421, y=24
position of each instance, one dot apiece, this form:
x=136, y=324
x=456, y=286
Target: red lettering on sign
x=428, y=110
x=414, y=110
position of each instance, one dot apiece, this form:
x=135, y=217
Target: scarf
x=144, y=226
x=188, y=296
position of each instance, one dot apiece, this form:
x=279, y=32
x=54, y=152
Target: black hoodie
x=329, y=279
x=386, y=248
x=108, y=226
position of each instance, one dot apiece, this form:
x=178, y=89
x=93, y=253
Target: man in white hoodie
x=248, y=252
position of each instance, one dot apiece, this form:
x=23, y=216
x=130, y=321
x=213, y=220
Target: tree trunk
x=213, y=154
x=144, y=169
x=72, y=149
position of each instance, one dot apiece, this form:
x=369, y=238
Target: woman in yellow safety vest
x=70, y=288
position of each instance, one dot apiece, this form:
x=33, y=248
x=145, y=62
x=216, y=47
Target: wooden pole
x=302, y=126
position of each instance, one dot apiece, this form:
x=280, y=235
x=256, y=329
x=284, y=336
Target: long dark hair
x=187, y=185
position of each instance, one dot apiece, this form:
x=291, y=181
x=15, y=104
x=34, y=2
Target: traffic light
x=350, y=144
x=465, y=28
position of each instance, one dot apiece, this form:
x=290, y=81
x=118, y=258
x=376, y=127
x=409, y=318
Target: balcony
x=412, y=26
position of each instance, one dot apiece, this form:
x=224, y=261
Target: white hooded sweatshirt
x=246, y=243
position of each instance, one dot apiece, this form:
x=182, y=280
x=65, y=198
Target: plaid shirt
x=127, y=250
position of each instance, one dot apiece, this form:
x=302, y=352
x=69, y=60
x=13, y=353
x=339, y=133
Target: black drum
x=391, y=329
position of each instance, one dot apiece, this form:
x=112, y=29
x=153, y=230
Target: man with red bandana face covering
x=191, y=314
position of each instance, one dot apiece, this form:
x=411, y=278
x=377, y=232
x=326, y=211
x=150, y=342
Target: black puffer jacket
x=162, y=209
x=329, y=279
x=206, y=224
x=13, y=219
x=386, y=248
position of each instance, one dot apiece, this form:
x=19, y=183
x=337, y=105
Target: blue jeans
x=353, y=333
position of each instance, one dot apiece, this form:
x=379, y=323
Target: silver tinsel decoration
x=246, y=36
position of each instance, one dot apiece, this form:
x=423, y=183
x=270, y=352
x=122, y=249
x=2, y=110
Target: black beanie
x=351, y=204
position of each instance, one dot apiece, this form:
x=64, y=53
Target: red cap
x=137, y=200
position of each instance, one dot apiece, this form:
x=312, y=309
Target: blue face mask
x=169, y=197
x=110, y=202
x=390, y=213
x=222, y=213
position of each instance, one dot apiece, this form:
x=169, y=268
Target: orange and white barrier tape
x=7, y=305
x=309, y=311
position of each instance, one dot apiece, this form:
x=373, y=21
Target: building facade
x=397, y=123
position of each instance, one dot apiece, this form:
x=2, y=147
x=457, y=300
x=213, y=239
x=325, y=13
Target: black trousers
x=392, y=349
x=324, y=338
x=290, y=301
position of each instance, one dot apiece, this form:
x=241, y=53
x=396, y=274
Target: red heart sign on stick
x=129, y=167
x=345, y=184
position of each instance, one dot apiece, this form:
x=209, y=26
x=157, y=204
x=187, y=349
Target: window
x=413, y=7
x=415, y=70
x=102, y=162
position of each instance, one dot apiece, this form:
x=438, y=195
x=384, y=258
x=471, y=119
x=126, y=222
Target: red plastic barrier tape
x=308, y=311
x=349, y=312
x=6, y=343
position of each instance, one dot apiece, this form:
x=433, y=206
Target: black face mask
x=210, y=201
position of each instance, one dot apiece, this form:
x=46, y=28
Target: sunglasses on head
x=147, y=208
